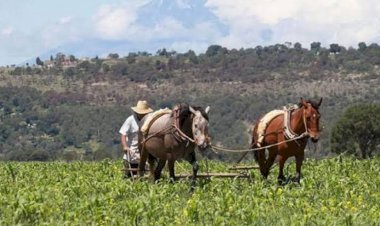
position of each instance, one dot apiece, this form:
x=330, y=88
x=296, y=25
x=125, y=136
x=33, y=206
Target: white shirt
x=130, y=128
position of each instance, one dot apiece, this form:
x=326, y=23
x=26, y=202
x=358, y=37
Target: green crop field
x=333, y=192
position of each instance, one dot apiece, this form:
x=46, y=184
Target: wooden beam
x=220, y=175
x=243, y=167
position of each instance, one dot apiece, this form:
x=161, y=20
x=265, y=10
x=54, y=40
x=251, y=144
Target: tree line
x=80, y=123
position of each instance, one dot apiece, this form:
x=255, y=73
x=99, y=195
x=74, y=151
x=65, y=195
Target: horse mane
x=313, y=104
x=184, y=112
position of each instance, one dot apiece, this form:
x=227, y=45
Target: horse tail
x=255, y=153
x=253, y=142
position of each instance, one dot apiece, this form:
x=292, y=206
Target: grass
x=333, y=192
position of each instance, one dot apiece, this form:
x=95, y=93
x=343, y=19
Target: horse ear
x=320, y=102
x=192, y=110
x=207, y=109
x=303, y=102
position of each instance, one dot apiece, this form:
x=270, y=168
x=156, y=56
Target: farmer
x=129, y=137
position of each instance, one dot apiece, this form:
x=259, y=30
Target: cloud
x=122, y=22
x=65, y=20
x=263, y=22
x=7, y=31
x=115, y=21
x=184, y=4
x=63, y=30
x=118, y=21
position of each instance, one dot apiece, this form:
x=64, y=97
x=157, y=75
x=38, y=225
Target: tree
x=214, y=50
x=192, y=57
x=362, y=46
x=334, y=48
x=297, y=46
x=162, y=52
x=60, y=57
x=72, y=58
x=315, y=47
x=113, y=56
x=39, y=61
x=357, y=131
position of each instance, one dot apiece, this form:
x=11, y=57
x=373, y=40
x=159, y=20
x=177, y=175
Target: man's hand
x=126, y=150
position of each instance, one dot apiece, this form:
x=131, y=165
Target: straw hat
x=142, y=107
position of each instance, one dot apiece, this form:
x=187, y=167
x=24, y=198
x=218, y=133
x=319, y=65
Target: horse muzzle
x=203, y=146
x=314, y=136
x=314, y=140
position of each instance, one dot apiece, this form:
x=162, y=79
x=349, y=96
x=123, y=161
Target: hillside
x=68, y=108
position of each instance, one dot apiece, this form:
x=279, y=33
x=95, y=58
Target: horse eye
x=196, y=125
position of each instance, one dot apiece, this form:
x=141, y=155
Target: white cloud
x=65, y=20
x=344, y=22
x=63, y=30
x=120, y=22
x=167, y=28
x=7, y=31
x=114, y=22
x=184, y=4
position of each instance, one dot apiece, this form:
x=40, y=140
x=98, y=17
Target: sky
x=31, y=28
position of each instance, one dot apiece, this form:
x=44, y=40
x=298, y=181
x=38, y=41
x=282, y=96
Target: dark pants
x=127, y=167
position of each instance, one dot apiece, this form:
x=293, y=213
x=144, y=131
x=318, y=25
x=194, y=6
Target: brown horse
x=303, y=120
x=174, y=136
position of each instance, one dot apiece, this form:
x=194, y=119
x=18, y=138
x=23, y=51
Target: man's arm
x=123, y=139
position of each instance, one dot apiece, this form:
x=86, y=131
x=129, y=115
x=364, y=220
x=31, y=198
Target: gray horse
x=174, y=136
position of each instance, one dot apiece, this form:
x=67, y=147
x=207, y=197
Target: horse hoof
x=282, y=180
x=296, y=180
x=172, y=180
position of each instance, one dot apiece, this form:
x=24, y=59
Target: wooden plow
x=239, y=172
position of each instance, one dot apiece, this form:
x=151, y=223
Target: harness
x=288, y=132
x=182, y=136
x=173, y=129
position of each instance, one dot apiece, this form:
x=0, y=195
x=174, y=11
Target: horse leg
x=160, y=166
x=143, y=158
x=299, y=160
x=269, y=162
x=193, y=161
x=281, y=162
x=261, y=160
x=151, y=161
x=171, y=170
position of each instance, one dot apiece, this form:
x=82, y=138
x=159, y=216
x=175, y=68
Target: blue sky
x=31, y=28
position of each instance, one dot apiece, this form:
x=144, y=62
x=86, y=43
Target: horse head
x=200, y=127
x=311, y=118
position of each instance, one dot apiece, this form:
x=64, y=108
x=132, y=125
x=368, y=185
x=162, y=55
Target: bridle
x=288, y=132
x=176, y=125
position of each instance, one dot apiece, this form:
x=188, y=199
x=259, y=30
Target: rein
x=260, y=148
x=183, y=135
x=166, y=130
x=295, y=137
x=288, y=132
x=176, y=125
